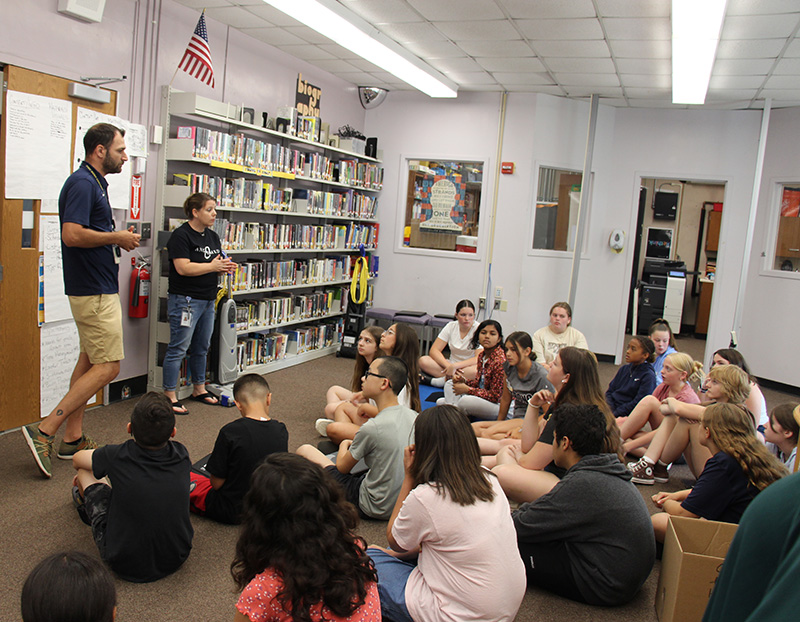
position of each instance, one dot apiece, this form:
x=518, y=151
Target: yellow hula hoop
x=358, y=286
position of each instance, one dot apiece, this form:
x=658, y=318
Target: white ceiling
x=619, y=49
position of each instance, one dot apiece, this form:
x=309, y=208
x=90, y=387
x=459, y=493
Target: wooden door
x=19, y=328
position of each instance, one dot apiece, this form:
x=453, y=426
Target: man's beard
x=109, y=166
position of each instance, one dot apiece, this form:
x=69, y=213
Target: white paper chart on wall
x=60, y=349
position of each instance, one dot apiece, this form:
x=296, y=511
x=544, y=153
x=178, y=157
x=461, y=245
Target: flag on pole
x=196, y=59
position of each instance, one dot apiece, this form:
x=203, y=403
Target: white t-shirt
x=469, y=566
x=546, y=343
x=460, y=349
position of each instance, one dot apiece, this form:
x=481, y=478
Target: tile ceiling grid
x=561, y=47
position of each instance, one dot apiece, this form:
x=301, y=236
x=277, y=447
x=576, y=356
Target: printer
x=661, y=293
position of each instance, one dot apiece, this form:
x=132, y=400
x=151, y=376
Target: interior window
x=556, y=216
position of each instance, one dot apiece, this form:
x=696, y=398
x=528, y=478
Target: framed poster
x=659, y=243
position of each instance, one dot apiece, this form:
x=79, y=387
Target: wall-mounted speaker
x=84, y=10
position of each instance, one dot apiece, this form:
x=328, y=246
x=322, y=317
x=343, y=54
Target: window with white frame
x=787, y=241
x=556, y=214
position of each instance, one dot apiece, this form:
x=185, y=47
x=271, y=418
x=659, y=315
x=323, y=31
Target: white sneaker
x=321, y=426
x=438, y=382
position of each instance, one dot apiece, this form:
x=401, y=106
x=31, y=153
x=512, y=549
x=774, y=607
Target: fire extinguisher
x=140, y=289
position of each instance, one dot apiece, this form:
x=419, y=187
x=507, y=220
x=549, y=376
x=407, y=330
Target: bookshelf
x=292, y=212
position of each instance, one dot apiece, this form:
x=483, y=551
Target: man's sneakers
x=67, y=450
x=41, y=447
x=648, y=474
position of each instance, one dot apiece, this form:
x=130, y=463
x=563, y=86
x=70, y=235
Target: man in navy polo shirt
x=90, y=250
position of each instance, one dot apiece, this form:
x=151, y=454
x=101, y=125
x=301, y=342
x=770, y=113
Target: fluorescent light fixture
x=696, y=27
x=344, y=27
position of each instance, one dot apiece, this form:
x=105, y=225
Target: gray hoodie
x=604, y=523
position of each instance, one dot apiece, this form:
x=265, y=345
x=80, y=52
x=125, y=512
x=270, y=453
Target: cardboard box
x=693, y=554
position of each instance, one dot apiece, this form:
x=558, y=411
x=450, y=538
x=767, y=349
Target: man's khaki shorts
x=99, y=322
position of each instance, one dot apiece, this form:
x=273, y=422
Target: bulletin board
x=30, y=357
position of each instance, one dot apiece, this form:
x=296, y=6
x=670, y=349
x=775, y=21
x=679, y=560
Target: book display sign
x=308, y=97
x=444, y=204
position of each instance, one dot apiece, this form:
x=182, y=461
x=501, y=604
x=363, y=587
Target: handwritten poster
x=136, y=141
x=119, y=184
x=37, y=145
x=60, y=348
x=56, y=304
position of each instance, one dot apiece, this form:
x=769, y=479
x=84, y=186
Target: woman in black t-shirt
x=195, y=261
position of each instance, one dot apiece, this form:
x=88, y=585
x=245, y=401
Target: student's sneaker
x=67, y=450
x=321, y=426
x=642, y=472
x=41, y=447
x=80, y=505
x=660, y=472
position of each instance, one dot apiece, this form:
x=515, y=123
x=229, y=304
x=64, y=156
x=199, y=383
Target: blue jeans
x=392, y=578
x=195, y=338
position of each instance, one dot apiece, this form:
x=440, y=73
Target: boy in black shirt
x=240, y=447
x=141, y=525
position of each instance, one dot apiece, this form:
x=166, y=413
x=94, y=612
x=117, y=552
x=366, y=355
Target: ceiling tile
x=204, y=4
x=362, y=65
x=471, y=77
x=759, y=26
x=736, y=82
x=776, y=93
x=626, y=8
x=581, y=65
x=743, y=67
x=488, y=30
x=443, y=10
x=496, y=48
x=641, y=49
x=655, y=102
x=455, y=64
x=271, y=14
x=403, y=33
x=236, y=17
x=638, y=29
x=337, y=51
x=306, y=52
x=360, y=78
x=760, y=48
x=533, y=88
x=383, y=11
x=483, y=88
x=435, y=49
x=522, y=78
x=655, y=81
x=644, y=65
x=716, y=95
x=648, y=93
x=588, y=79
x=563, y=29
x=380, y=75
x=525, y=63
x=547, y=9
x=572, y=49
x=783, y=82
x=787, y=66
x=587, y=91
x=307, y=34
x=274, y=36
x=793, y=51
x=760, y=7
x=336, y=65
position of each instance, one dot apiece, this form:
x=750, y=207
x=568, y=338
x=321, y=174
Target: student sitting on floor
x=739, y=468
x=297, y=557
x=454, y=554
x=664, y=341
x=589, y=539
x=633, y=381
x=480, y=398
x=143, y=529
x=380, y=442
x=782, y=431
x=69, y=587
x=240, y=447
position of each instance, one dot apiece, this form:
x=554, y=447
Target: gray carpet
x=38, y=517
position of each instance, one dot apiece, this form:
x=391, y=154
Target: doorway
x=675, y=254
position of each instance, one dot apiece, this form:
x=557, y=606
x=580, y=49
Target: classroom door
x=19, y=257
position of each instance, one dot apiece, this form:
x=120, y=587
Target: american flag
x=196, y=59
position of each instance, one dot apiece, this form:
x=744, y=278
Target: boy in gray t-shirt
x=380, y=442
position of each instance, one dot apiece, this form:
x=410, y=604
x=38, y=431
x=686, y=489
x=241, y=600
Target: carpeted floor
x=38, y=518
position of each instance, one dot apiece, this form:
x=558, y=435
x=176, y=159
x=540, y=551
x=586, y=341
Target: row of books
x=262, y=274
x=262, y=348
x=349, y=204
x=266, y=312
x=237, y=192
x=292, y=236
x=268, y=158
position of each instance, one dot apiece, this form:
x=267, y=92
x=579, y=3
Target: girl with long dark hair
x=451, y=528
x=297, y=557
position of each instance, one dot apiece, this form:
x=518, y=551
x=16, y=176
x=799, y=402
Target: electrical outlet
x=501, y=305
x=497, y=302
x=481, y=303
x=146, y=230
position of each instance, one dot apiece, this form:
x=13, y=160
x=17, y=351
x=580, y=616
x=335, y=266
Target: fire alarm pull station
x=507, y=168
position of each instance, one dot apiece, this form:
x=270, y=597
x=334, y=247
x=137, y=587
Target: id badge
x=117, y=254
x=186, y=317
